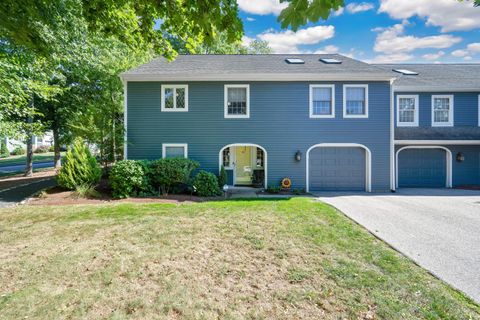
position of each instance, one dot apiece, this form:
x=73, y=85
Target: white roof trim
x=433, y=89
x=435, y=142
x=258, y=77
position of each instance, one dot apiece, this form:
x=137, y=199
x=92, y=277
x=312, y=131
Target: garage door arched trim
x=448, y=154
x=368, y=161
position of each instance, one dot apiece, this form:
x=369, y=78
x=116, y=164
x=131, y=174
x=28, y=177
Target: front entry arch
x=233, y=163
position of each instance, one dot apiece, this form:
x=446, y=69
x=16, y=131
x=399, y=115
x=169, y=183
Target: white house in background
x=45, y=140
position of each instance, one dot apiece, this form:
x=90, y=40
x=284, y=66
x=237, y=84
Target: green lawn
x=37, y=157
x=275, y=259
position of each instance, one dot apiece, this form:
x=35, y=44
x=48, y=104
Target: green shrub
x=86, y=191
x=206, y=184
x=51, y=148
x=42, y=149
x=273, y=189
x=19, y=151
x=222, y=177
x=4, y=153
x=168, y=173
x=79, y=167
x=127, y=178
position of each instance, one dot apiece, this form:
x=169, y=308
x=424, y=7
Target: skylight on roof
x=330, y=61
x=294, y=61
x=406, y=72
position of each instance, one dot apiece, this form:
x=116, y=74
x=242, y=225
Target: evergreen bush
x=206, y=184
x=79, y=167
x=169, y=173
x=222, y=177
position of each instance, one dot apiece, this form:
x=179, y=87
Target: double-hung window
x=174, y=150
x=322, y=101
x=355, y=101
x=407, y=110
x=175, y=97
x=442, y=110
x=237, y=101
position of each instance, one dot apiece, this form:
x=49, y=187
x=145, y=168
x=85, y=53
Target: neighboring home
x=45, y=140
x=327, y=122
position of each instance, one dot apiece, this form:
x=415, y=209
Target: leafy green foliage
x=86, y=191
x=126, y=178
x=79, y=167
x=169, y=172
x=301, y=12
x=4, y=153
x=222, y=177
x=19, y=151
x=206, y=184
x=273, y=189
x=42, y=149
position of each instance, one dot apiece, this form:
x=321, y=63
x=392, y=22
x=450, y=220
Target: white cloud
x=262, y=7
x=338, y=12
x=450, y=15
x=359, y=7
x=391, y=58
x=247, y=40
x=460, y=53
x=250, y=19
x=392, y=40
x=433, y=56
x=330, y=49
x=288, y=41
x=467, y=53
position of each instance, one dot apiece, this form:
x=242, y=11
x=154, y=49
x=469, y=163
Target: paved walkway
x=437, y=228
x=19, y=193
x=21, y=167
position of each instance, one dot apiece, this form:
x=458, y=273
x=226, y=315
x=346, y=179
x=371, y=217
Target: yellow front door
x=243, y=165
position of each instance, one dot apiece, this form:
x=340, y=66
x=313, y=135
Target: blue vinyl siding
x=466, y=173
x=465, y=108
x=279, y=121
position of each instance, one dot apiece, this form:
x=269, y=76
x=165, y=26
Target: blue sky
x=407, y=31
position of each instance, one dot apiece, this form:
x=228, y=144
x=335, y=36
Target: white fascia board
x=433, y=89
x=258, y=77
x=436, y=142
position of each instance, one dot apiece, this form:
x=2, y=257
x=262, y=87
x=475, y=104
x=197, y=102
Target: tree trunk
x=29, y=164
x=57, y=162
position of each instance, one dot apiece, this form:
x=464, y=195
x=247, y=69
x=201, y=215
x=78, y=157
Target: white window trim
x=362, y=116
x=175, y=145
x=225, y=107
x=174, y=86
x=416, y=111
x=319, y=116
x=450, y=111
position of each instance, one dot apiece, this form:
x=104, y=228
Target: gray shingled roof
x=436, y=77
x=269, y=64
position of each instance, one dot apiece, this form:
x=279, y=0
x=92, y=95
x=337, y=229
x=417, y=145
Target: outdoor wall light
x=298, y=156
x=460, y=157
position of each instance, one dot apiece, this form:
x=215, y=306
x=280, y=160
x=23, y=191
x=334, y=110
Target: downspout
x=392, y=136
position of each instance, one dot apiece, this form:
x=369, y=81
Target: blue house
x=327, y=122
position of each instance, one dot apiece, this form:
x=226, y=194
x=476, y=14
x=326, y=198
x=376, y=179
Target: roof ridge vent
x=406, y=72
x=294, y=61
x=330, y=61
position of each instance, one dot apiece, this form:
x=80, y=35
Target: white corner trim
x=416, y=111
x=368, y=161
x=322, y=116
x=174, y=87
x=448, y=154
x=435, y=142
x=450, y=111
x=125, y=118
x=225, y=105
x=175, y=145
x=392, y=137
x=355, y=116
x=265, y=165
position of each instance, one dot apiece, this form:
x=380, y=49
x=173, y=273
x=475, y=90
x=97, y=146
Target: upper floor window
x=174, y=150
x=407, y=110
x=237, y=101
x=174, y=97
x=442, y=110
x=355, y=101
x=322, y=101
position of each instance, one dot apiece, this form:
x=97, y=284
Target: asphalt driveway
x=437, y=228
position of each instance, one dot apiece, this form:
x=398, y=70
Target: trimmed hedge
x=172, y=174
x=206, y=184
